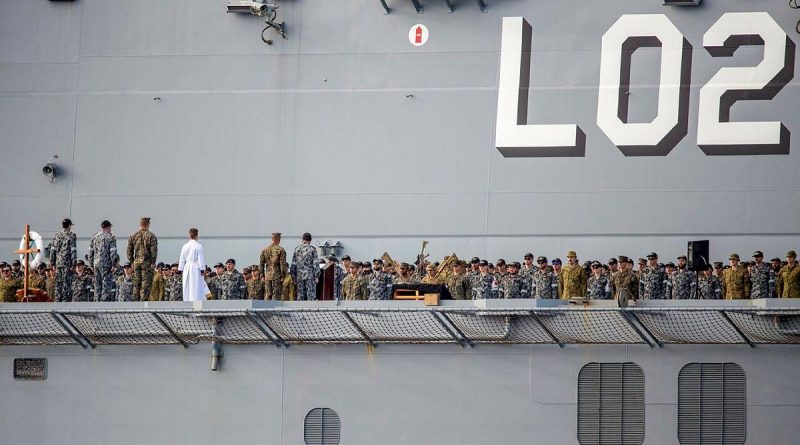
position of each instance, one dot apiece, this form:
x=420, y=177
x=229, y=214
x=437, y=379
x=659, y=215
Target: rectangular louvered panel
x=611, y=404
x=712, y=405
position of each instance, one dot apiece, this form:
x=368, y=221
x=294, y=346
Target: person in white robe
x=192, y=263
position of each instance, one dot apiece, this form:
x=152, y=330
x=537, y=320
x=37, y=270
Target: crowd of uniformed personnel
x=143, y=279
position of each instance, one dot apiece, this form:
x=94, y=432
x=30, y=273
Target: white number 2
x=716, y=134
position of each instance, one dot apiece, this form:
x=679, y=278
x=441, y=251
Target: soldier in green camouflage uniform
x=9, y=285
x=514, y=285
x=63, y=256
x=142, y=254
x=572, y=279
x=125, y=284
x=352, y=288
x=708, y=287
x=736, y=284
x=82, y=285
x=213, y=281
x=231, y=283
x=274, y=267
x=102, y=256
x=625, y=280
x=16, y=269
x=459, y=283
x=50, y=283
x=762, y=278
x=403, y=276
x=256, y=289
x=789, y=282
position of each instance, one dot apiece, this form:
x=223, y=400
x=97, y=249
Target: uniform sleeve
x=154, y=249
x=771, y=282
x=262, y=263
x=73, y=252
x=746, y=279
x=92, y=244
x=131, y=241
x=113, y=250
x=584, y=283
x=53, y=250
x=560, y=284
x=284, y=264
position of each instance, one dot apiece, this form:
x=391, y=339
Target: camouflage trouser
x=142, y=281
x=64, y=278
x=104, y=284
x=306, y=288
x=273, y=288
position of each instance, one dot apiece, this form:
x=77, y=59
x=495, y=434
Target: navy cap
x=557, y=261
x=230, y=261
x=219, y=265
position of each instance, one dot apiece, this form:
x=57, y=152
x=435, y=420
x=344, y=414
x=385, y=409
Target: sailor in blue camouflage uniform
x=598, y=287
x=63, y=256
x=483, y=282
x=380, y=283
x=305, y=269
x=174, y=287
x=102, y=257
x=231, y=283
x=514, y=285
x=762, y=278
x=682, y=283
x=82, y=283
x=708, y=286
x=125, y=284
x=653, y=280
x=544, y=282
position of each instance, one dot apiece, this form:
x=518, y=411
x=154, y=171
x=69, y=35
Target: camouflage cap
x=791, y=254
x=230, y=261
x=622, y=259
x=541, y=259
x=278, y=234
x=528, y=255
x=475, y=260
x=219, y=265
x=682, y=257
x=246, y=270
x=404, y=265
x=733, y=256
x=483, y=263
x=758, y=254
x=642, y=261
x=670, y=264
x=501, y=262
x=595, y=264
x=144, y=221
x=515, y=264
x=346, y=258
x=612, y=261
x=127, y=266
x=652, y=255
x=572, y=254
x=776, y=259
x=718, y=264
x=16, y=263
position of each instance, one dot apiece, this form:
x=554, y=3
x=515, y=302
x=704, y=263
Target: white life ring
x=36, y=241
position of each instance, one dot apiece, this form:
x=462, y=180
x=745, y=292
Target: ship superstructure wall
x=178, y=111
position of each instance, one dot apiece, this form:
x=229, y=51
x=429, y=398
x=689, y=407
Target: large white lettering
x=514, y=137
x=629, y=33
x=716, y=134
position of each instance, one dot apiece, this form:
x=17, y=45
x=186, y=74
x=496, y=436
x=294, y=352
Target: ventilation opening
x=712, y=404
x=30, y=368
x=611, y=404
x=322, y=427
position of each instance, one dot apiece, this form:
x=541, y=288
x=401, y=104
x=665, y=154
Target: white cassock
x=193, y=263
